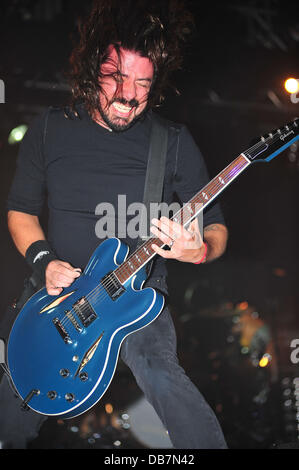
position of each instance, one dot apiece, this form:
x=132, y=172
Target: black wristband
x=38, y=256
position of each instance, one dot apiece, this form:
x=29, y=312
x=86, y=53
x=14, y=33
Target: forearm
x=215, y=236
x=187, y=244
x=24, y=229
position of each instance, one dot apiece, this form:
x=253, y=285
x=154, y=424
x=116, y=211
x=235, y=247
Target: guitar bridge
x=62, y=331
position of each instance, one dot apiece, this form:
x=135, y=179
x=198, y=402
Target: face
x=125, y=89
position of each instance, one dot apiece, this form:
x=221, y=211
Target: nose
x=129, y=90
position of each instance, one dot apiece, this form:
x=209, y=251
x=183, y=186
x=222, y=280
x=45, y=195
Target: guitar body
x=63, y=350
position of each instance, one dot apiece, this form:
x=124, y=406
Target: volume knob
x=70, y=397
x=64, y=373
x=83, y=376
x=52, y=395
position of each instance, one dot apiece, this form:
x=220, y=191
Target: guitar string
x=94, y=292
x=273, y=139
x=213, y=187
x=123, y=270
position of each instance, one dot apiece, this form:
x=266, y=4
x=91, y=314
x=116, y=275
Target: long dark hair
x=156, y=29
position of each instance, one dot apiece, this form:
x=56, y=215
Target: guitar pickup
x=112, y=286
x=84, y=312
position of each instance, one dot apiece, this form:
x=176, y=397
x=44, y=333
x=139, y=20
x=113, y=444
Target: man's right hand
x=60, y=274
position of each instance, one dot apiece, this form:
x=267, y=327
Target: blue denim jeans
x=151, y=355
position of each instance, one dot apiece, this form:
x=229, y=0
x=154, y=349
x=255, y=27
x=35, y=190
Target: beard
x=118, y=123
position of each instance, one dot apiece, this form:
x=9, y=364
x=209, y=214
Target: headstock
x=274, y=143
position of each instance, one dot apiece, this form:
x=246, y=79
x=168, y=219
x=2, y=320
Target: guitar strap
x=154, y=179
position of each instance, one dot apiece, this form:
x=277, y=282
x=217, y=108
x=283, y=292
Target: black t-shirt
x=81, y=168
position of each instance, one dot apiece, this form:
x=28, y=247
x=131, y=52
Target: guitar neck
x=184, y=216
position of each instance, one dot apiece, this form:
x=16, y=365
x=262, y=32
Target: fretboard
x=184, y=216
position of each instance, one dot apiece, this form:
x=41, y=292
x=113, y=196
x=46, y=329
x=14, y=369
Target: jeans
x=150, y=353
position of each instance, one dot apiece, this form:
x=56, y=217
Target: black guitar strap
x=154, y=176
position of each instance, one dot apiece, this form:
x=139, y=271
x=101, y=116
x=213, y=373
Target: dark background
x=232, y=91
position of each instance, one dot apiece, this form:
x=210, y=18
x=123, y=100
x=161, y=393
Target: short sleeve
x=191, y=175
x=27, y=192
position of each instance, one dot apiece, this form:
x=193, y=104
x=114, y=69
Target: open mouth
x=122, y=109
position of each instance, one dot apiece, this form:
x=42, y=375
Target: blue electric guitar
x=63, y=350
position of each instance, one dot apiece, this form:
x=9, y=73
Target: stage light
x=109, y=408
x=265, y=360
x=17, y=134
x=291, y=85
x=243, y=306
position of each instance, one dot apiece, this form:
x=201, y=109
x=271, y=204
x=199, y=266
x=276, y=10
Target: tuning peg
x=265, y=137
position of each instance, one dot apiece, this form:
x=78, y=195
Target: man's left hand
x=185, y=245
